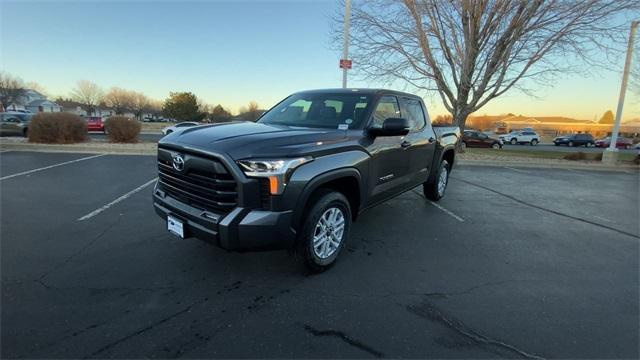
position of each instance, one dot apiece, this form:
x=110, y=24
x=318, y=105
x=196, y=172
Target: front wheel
x=324, y=231
x=534, y=142
x=25, y=132
x=570, y=143
x=435, y=191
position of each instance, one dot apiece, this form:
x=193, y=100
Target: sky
x=227, y=53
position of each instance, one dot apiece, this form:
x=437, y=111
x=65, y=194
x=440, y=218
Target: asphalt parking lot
x=512, y=263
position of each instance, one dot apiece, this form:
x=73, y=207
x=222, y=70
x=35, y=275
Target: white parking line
x=50, y=166
x=447, y=211
x=121, y=198
x=516, y=170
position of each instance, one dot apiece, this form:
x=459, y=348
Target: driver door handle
x=405, y=144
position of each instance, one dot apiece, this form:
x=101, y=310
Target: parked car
x=179, y=126
x=472, y=138
x=585, y=140
x=15, y=123
x=521, y=137
x=621, y=142
x=95, y=123
x=300, y=175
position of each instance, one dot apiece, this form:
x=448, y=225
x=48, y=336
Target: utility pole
x=345, y=44
x=610, y=155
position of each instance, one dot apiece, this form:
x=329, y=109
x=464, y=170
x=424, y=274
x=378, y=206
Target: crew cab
x=300, y=175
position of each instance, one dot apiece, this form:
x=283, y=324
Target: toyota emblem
x=178, y=162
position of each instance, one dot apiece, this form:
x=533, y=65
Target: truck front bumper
x=241, y=229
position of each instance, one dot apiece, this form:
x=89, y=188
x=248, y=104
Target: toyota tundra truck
x=299, y=177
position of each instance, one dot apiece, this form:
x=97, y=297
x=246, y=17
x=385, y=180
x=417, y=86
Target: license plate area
x=175, y=226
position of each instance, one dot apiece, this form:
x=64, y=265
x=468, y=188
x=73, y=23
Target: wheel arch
x=347, y=181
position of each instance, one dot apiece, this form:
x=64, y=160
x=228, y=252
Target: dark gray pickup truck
x=300, y=175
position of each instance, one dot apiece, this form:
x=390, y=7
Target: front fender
x=309, y=177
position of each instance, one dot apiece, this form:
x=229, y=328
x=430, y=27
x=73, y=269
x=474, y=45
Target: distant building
x=34, y=102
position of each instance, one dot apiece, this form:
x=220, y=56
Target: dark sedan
x=472, y=138
x=585, y=140
x=621, y=142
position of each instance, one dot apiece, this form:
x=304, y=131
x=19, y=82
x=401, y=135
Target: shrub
x=583, y=156
x=122, y=129
x=57, y=128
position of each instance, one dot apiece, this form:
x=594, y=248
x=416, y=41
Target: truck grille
x=204, y=183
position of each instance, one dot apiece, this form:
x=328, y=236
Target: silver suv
x=14, y=123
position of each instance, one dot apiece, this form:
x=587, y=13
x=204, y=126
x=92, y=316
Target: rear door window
x=415, y=114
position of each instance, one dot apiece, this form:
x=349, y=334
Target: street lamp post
x=345, y=42
x=610, y=155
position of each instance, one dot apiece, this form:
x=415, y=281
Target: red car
x=95, y=123
x=621, y=142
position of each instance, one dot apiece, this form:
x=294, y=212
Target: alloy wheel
x=328, y=233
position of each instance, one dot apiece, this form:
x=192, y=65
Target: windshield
x=328, y=111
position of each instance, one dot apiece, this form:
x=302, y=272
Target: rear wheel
x=435, y=191
x=495, y=145
x=570, y=143
x=463, y=145
x=324, y=231
x=514, y=141
x=25, y=132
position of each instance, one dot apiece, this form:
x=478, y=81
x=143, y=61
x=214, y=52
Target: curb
x=576, y=166
x=124, y=150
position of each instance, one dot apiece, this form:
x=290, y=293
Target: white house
x=34, y=102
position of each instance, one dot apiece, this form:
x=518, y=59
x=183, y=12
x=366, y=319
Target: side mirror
x=392, y=127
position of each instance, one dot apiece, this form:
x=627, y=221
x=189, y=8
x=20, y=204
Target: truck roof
x=365, y=91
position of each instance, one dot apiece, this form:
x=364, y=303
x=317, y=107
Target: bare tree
x=11, y=89
x=119, y=99
x=37, y=87
x=472, y=51
x=88, y=94
x=635, y=70
x=140, y=103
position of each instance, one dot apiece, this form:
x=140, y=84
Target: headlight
x=277, y=171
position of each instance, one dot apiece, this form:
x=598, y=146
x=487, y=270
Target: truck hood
x=242, y=140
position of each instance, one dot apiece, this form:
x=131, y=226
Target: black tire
x=430, y=190
x=534, y=142
x=463, y=145
x=570, y=144
x=514, y=141
x=321, y=202
x=25, y=132
x=496, y=146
